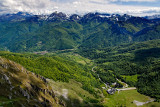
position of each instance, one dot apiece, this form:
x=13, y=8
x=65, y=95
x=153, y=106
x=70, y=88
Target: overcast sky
x=133, y=7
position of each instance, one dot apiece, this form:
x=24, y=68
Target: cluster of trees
x=149, y=82
x=106, y=76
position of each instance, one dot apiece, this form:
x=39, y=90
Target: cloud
x=76, y=6
x=32, y=6
x=133, y=0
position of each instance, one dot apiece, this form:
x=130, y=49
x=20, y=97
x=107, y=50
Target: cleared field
x=132, y=78
x=126, y=98
x=77, y=58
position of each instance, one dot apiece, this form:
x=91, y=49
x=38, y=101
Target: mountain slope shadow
x=142, y=55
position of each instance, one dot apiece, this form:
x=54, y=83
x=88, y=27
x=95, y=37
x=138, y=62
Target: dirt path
x=93, y=69
x=65, y=93
x=124, y=89
x=142, y=103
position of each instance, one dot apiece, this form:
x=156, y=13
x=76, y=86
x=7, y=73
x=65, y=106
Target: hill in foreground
x=20, y=87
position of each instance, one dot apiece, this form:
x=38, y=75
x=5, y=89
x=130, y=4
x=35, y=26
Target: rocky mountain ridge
x=62, y=16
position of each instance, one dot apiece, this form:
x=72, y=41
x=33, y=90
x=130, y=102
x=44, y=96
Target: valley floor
x=129, y=98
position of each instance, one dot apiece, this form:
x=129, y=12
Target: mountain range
x=58, y=31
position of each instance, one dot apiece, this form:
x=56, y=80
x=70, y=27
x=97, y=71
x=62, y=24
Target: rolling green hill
x=36, y=36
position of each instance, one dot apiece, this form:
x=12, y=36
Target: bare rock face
x=21, y=88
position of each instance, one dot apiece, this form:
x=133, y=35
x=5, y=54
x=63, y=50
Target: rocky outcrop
x=25, y=89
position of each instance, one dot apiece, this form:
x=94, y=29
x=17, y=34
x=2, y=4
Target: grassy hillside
x=73, y=94
x=20, y=87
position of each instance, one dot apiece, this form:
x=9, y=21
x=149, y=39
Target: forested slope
x=132, y=60
x=59, y=32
